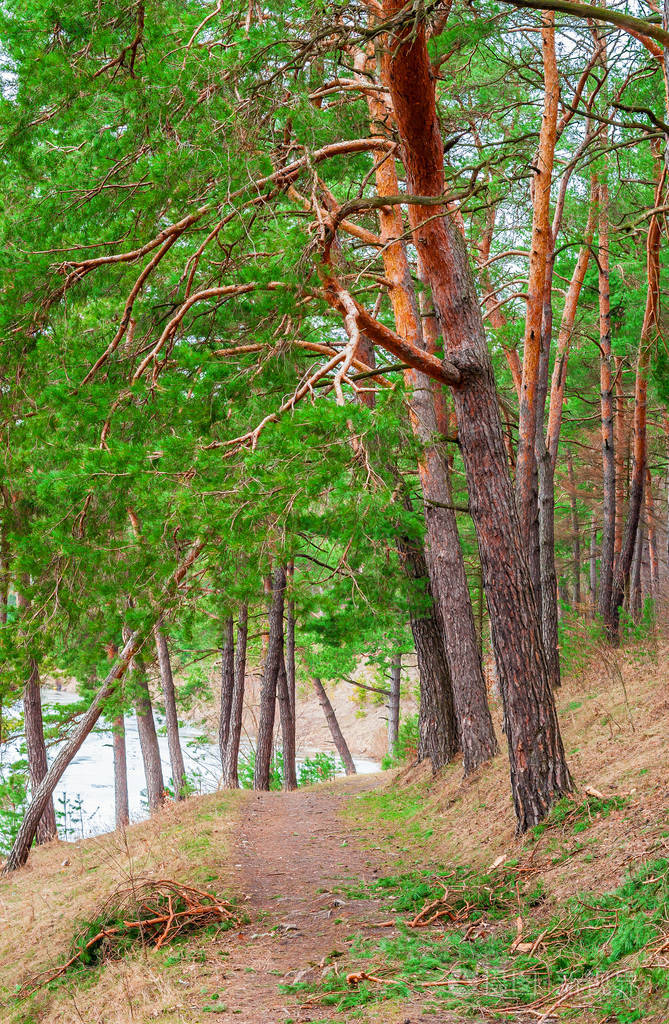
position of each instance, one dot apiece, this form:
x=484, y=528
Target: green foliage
x=320, y=767
x=13, y=802
x=246, y=769
x=579, y=815
x=69, y=817
x=405, y=750
x=481, y=895
x=592, y=936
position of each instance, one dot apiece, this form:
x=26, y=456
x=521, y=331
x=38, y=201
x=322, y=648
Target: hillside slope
x=304, y=868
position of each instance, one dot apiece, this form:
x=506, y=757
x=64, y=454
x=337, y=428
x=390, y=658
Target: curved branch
x=610, y=17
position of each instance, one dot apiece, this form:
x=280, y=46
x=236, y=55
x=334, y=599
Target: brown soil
x=296, y=860
x=292, y=856
x=289, y=857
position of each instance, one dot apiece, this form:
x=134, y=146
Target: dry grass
x=66, y=882
x=614, y=714
x=615, y=718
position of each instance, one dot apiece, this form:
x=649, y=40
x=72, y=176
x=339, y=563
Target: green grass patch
x=578, y=816
x=602, y=948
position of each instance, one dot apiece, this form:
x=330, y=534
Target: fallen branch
x=153, y=912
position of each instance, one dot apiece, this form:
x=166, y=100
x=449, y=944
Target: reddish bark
x=606, y=404
x=565, y=335
x=548, y=449
x=540, y=248
x=495, y=315
x=539, y=772
x=443, y=551
x=649, y=329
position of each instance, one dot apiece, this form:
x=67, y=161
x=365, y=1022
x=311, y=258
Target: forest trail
x=293, y=855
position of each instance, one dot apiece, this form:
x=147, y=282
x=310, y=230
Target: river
x=84, y=797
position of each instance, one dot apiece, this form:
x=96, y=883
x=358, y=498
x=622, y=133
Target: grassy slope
x=615, y=718
x=67, y=882
x=615, y=721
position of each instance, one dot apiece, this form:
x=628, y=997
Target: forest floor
x=328, y=881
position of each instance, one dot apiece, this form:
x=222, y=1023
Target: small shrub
x=321, y=767
x=405, y=750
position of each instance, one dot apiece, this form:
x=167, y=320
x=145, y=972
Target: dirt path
x=293, y=852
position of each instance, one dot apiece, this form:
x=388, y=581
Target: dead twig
x=154, y=912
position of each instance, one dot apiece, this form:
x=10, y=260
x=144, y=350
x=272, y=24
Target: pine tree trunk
x=654, y=568
x=593, y=565
x=230, y=762
x=4, y=574
x=665, y=423
x=21, y=848
x=287, y=728
x=394, y=701
x=268, y=688
x=35, y=745
x=619, y=440
x=290, y=641
x=539, y=773
x=171, y=717
x=496, y=316
x=537, y=339
x=18, y=854
x=638, y=476
x=443, y=551
x=576, y=532
x=549, y=605
x=121, y=801
x=264, y=640
x=36, y=749
x=340, y=743
x=448, y=580
x=148, y=738
x=448, y=576
x=635, y=574
x=606, y=403
x=437, y=722
x=549, y=450
x=227, y=685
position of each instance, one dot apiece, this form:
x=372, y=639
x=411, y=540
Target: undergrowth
x=405, y=748
x=577, y=816
x=607, y=951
